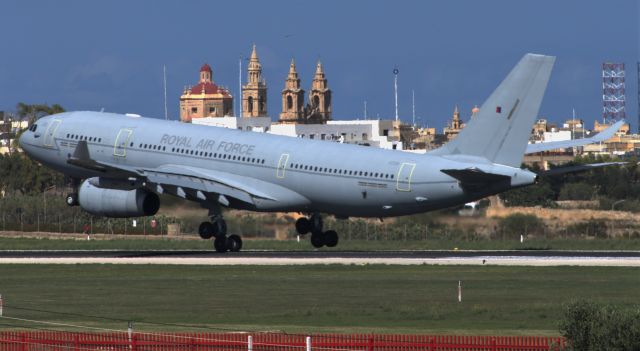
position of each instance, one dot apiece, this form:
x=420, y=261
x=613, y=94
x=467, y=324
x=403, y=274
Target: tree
x=35, y=111
x=590, y=326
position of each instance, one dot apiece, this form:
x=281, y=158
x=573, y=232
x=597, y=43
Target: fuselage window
x=392, y=176
x=263, y=161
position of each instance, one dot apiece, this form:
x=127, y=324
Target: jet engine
x=115, y=202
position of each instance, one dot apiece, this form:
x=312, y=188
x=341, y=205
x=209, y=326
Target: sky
x=90, y=55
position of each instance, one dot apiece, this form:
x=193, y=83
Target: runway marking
x=281, y=261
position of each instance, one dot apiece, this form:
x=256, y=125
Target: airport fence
x=137, y=341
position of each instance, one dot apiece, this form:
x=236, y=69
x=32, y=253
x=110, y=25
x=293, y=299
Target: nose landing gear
x=313, y=225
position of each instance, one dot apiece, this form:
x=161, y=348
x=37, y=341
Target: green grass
x=333, y=298
x=150, y=243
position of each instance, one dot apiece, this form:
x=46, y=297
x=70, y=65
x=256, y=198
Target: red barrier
x=139, y=341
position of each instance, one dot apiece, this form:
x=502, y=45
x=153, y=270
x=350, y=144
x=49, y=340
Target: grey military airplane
x=120, y=163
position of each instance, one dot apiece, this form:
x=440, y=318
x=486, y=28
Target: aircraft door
x=120, y=147
x=282, y=165
x=49, y=135
x=403, y=182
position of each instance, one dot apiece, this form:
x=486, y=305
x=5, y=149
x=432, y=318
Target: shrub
x=591, y=326
x=518, y=224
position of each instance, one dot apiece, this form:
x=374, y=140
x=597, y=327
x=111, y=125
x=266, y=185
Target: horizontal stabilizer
x=475, y=179
x=553, y=145
x=578, y=168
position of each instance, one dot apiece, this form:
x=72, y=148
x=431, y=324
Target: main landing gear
x=72, y=198
x=313, y=225
x=217, y=229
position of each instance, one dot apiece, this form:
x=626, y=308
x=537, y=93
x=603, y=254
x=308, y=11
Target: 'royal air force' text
x=208, y=145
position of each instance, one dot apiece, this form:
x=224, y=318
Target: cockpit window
x=33, y=127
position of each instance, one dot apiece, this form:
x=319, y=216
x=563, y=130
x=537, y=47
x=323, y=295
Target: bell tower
x=254, y=93
x=292, y=98
x=320, y=97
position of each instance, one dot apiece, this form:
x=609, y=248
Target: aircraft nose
x=23, y=140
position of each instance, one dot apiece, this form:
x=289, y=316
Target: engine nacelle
x=117, y=203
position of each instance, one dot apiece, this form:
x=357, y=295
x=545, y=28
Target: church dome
x=205, y=68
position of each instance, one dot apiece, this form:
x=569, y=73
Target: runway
x=202, y=257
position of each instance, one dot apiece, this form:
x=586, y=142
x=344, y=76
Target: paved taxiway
x=199, y=257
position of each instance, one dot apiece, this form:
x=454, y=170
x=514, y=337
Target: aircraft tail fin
x=500, y=130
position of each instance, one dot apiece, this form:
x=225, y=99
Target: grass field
x=63, y=242
x=369, y=298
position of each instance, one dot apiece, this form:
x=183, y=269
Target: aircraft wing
x=578, y=168
x=187, y=182
x=552, y=145
x=195, y=182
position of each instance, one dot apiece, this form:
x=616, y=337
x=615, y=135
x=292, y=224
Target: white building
x=253, y=124
x=378, y=133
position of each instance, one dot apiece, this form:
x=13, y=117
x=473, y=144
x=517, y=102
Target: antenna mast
x=395, y=88
x=240, y=87
x=164, y=75
x=365, y=109
x=613, y=91
x=413, y=107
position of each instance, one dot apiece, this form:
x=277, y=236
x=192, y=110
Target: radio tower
x=613, y=90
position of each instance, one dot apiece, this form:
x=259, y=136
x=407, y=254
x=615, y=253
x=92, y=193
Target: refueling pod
x=117, y=203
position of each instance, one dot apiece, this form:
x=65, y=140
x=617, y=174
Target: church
x=205, y=99
x=208, y=100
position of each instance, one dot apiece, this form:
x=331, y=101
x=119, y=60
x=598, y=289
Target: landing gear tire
x=317, y=240
x=206, y=230
x=234, y=243
x=220, y=244
x=330, y=238
x=303, y=225
x=72, y=199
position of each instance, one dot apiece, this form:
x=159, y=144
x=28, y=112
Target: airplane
x=120, y=163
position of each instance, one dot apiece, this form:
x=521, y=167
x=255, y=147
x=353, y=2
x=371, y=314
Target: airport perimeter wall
x=137, y=341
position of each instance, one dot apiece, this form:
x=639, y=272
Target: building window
x=289, y=102
x=194, y=110
x=212, y=109
x=250, y=104
x=385, y=132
